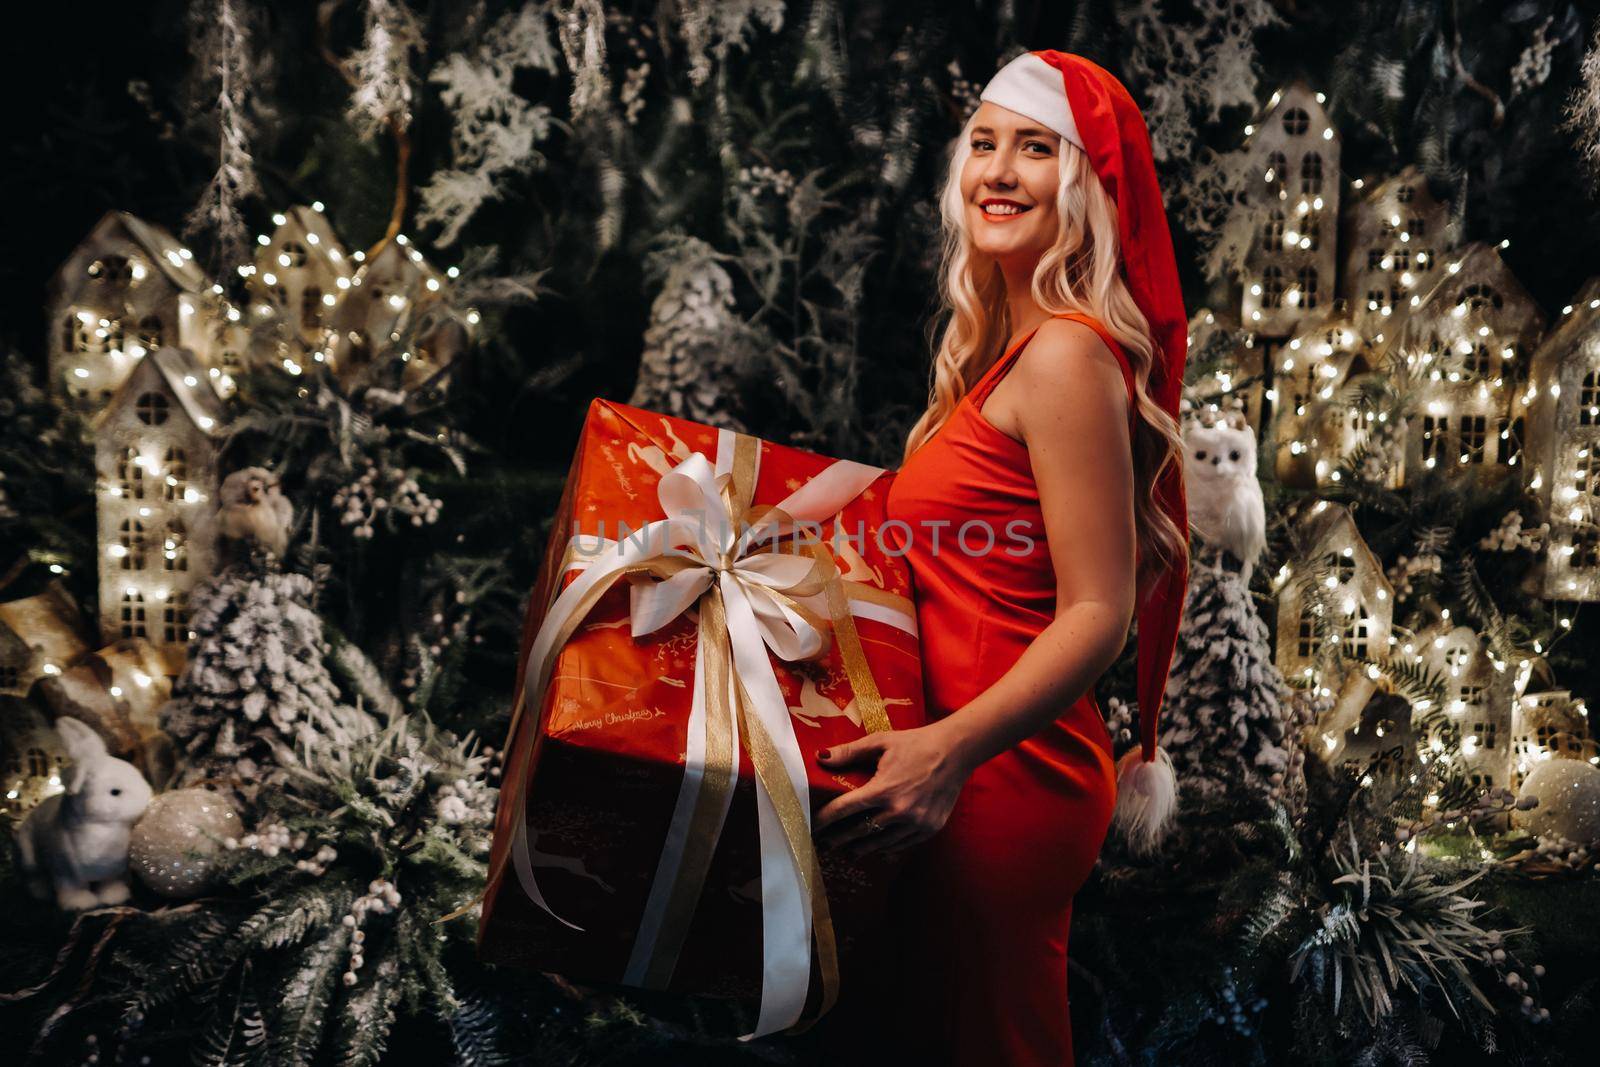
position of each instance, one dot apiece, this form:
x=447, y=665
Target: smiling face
x=1013, y=168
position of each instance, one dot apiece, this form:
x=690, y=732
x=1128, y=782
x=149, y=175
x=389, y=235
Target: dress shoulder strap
x=992, y=376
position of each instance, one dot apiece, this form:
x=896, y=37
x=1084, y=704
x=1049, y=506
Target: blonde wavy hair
x=1081, y=272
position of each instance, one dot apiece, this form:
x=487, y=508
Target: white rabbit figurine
x=77, y=841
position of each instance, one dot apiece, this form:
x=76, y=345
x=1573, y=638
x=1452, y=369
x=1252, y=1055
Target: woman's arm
x=1075, y=424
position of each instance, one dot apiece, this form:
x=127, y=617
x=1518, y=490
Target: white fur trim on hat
x=1033, y=88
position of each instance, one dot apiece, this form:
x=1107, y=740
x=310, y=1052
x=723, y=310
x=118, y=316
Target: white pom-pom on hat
x=1147, y=800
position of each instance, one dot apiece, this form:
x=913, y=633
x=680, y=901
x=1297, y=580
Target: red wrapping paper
x=601, y=751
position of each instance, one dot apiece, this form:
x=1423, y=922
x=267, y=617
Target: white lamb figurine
x=77, y=841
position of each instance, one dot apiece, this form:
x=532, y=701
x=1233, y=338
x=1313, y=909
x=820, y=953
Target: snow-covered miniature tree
x=257, y=688
x=1230, y=721
x=687, y=365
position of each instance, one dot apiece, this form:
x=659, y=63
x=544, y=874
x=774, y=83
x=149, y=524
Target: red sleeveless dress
x=985, y=905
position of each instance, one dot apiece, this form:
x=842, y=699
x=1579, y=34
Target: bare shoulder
x=1067, y=373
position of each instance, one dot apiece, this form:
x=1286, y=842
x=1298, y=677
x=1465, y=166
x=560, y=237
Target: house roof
x=1583, y=317
x=48, y=622
x=162, y=249
x=173, y=366
x=1319, y=524
x=1478, y=259
x=327, y=249
x=1280, y=100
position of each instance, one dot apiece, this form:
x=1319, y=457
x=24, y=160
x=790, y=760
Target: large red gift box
x=631, y=838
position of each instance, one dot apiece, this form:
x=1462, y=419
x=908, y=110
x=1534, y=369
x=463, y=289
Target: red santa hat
x=1091, y=109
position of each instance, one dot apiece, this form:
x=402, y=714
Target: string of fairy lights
x=1313, y=363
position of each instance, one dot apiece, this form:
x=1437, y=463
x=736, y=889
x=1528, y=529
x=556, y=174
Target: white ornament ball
x=173, y=847
x=1569, y=800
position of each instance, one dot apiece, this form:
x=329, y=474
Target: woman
x=1053, y=406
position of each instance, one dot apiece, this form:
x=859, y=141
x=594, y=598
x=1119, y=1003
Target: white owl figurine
x=1224, y=496
x=254, y=510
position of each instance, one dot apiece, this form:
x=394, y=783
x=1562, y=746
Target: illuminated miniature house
x=1294, y=194
x=1562, y=408
x=129, y=288
x=40, y=636
x=395, y=293
x=156, y=481
x=31, y=756
x=301, y=273
x=1549, y=725
x=1352, y=607
x=1476, y=720
x=1464, y=354
x=1395, y=239
x=1237, y=374
x=1311, y=428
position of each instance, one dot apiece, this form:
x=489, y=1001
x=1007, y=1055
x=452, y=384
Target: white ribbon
x=753, y=587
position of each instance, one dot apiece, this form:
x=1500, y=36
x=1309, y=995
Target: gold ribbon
x=721, y=757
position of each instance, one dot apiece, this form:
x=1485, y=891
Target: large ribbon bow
x=714, y=553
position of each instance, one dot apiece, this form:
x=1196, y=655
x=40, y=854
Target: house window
x=1546, y=735
x=1375, y=259
x=1589, y=399
x=1586, y=546
x=10, y=676
x=310, y=307
x=133, y=614
x=130, y=472
x=1481, y=781
x=177, y=475
x=1311, y=174
x=293, y=255
x=1296, y=122
x=1341, y=566
x=1306, y=280
x=1377, y=299
x=1425, y=259
x=1277, y=173
x=38, y=763
x=175, y=547
x=152, y=409
x=150, y=332
x=115, y=269
x=1478, y=297
x=1403, y=194
x=1307, y=643
x=1474, y=432
x=1416, y=225
x=1434, y=431
x=1472, y=696
x=1400, y=259
x=1486, y=733
x=1272, y=287
x=175, y=619
x=131, y=538
x=1272, y=233
x=1311, y=231
x=1479, y=362
x=1358, y=635
x=1510, y=440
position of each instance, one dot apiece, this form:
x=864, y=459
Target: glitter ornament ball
x=173, y=847
x=1569, y=800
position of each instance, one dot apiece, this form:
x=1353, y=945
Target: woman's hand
x=919, y=773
